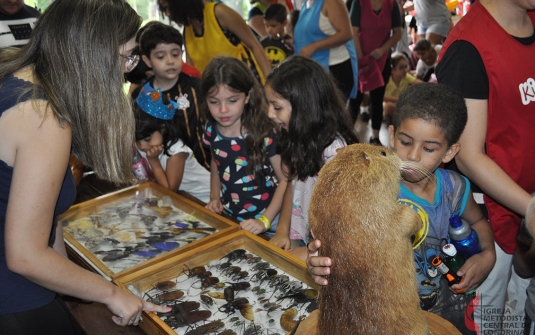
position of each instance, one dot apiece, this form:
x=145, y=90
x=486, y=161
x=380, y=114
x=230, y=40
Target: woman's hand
x=215, y=206
x=127, y=307
x=318, y=267
x=253, y=226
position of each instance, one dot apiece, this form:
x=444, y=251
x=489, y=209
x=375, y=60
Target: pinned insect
x=184, y=314
x=238, y=254
x=227, y=332
x=261, y=266
x=287, y=319
x=288, y=288
x=116, y=255
x=165, y=285
x=231, y=270
x=170, y=296
x=207, y=300
x=254, y=260
x=263, y=275
x=208, y=328
x=233, y=304
x=312, y=306
x=278, y=280
x=253, y=330
x=239, y=275
x=240, y=286
x=301, y=297
x=210, y=281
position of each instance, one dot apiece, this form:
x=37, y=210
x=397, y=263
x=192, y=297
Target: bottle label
x=442, y=268
x=140, y=172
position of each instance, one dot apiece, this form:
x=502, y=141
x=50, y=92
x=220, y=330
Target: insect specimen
x=227, y=332
x=165, y=285
x=287, y=319
x=301, y=296
x=238, y=254
x=170, y=296
x=185, y=313
x=241, y=304
x=206, y=328
x=207, y=300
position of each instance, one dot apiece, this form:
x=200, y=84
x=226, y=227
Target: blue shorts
x=441, y=28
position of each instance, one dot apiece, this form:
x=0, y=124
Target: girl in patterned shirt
x=247, y=179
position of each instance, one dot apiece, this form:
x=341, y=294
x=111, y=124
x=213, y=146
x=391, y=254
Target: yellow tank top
x=214, y=43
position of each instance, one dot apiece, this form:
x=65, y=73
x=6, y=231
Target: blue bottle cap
x=455, y=221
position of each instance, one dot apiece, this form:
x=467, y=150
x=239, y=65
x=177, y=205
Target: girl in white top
x=158, y=139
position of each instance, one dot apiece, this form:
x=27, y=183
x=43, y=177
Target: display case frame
x=170, y=268
x=83, y=256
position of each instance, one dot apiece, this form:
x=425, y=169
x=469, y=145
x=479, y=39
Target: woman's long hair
x=233, y=73
x=318, y=116
x=74, y=51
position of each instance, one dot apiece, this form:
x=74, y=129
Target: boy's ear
x=451, y=152
x=391, y=132
x=147, y=61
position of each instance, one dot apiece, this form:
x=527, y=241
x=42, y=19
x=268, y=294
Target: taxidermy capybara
x=367, y=234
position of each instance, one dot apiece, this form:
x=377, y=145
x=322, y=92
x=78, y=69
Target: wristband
x=265, y=220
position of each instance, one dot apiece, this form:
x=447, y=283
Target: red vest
x=510, y=140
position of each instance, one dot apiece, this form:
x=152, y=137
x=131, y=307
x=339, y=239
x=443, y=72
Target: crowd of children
x=254, y=152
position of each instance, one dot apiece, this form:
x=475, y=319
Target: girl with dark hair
x=213, y=29
x=55, y=100
x=243, y=142
x=160, y=141
x=310, y=109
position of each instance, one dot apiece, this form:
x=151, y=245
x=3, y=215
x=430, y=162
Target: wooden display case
x=128, y=230
x=209, y=256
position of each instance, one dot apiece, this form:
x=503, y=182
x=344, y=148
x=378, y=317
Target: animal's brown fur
x=354, y=213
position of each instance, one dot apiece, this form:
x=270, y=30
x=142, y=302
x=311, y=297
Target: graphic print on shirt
x=425, y=249
x=245, y=194
x=527, y=91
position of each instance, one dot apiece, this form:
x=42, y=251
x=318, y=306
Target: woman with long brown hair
x=61, y=93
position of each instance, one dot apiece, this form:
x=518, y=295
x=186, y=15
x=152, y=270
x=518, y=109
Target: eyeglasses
x=130, y=62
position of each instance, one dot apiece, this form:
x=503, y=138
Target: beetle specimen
x=240, y=286
x=227, y=332
x=239, y=275
x=231, y=270
x=253, y=330
x=261, y=266
x=287, y=319
x=238, y=254
x=184, y=319
x=241, y=304
x=263, y=275
x=254, y=260
x=165, y=285
x=301, y=296
x=207, y=300
x=116, y=255
x=210, y=327
x=170, y=296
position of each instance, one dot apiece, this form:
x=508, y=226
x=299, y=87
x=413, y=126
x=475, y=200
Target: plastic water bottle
x=453, y=259
x=450, y=275
x=141, y=167
x=463, y=237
